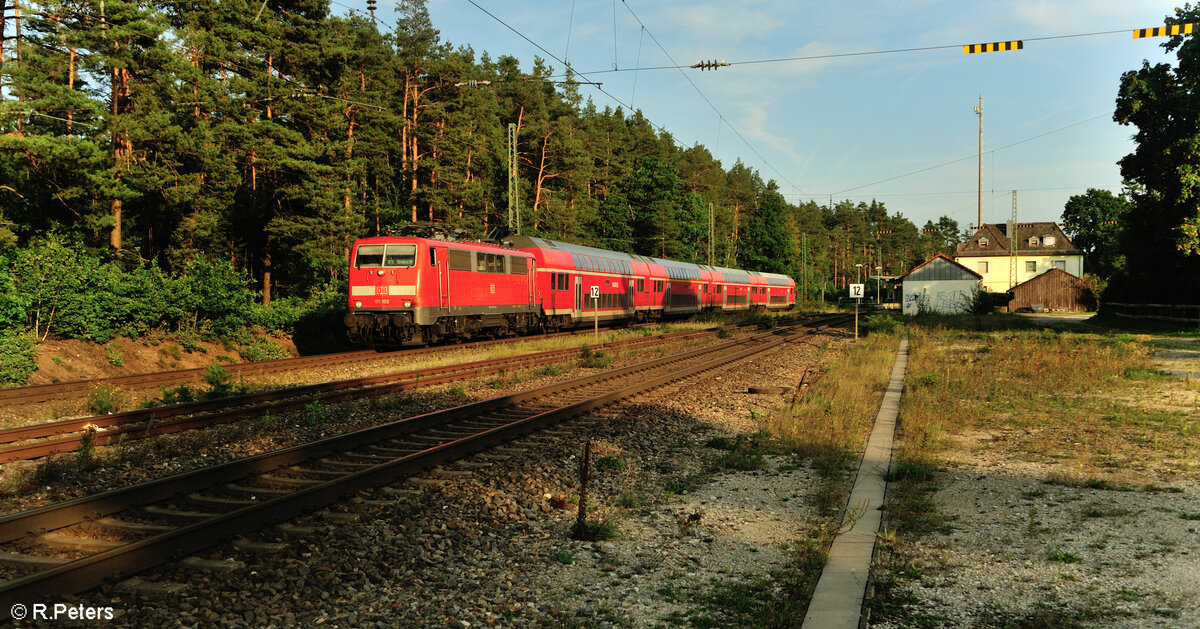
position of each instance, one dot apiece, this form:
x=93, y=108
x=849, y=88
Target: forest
x=146, y=144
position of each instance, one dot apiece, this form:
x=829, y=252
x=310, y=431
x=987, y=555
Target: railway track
x=79, y=544
x=36, y=394
x=39, y=440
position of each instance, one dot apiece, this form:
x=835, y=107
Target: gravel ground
x=1023, y=545
x=484, y=542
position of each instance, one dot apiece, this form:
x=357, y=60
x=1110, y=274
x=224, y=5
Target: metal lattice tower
x=1012, y=243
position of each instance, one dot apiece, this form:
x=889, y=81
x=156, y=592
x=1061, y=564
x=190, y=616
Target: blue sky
x=837, y=125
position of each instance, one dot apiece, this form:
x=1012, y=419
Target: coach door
x=578, y=297
x=442, y=260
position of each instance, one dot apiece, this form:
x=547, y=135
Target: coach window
x=518, y=266
x=432, y=256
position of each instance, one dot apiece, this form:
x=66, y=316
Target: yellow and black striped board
x=999, y=46
x=1163, y=31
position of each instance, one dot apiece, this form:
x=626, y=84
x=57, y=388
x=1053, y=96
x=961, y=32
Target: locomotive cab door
x=442, y=260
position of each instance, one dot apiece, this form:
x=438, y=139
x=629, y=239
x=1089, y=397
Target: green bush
x=882, y=324
x=104, y=399
x=262, y=349
x=18, y=356
x=594, y=359
x=610, y=462
x=181, y=394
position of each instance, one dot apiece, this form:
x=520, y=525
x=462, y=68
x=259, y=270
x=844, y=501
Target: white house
x=1039, y=247
x=939, y=285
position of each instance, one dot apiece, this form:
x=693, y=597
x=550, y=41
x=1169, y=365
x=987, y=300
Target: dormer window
x=1033, y=241
x=1048, y=240
x=983, y=242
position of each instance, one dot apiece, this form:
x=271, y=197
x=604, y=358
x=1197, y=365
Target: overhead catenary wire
x=619, y=101
x=860, y=53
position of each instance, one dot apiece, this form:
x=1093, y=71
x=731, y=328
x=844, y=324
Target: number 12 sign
x=856, y=291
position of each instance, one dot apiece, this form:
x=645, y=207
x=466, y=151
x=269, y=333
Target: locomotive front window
x=400, y=256
x=369, y=257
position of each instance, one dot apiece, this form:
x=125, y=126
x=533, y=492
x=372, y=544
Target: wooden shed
x=1053, y=291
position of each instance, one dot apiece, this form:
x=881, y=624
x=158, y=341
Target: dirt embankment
x=65, y=360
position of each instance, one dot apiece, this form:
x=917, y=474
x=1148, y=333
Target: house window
x=983, y=268
x=1033, y=241
x=1060, y=265
x=1048, y=241
x=1031, y=266
x=983, y=242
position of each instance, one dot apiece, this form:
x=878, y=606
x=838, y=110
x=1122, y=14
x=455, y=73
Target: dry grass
x=829, y=424
x=837, y=411
x=1045, y=395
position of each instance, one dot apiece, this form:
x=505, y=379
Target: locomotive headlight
x=407, y=303
x=358, y=304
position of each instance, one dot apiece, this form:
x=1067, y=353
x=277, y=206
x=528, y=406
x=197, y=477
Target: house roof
x=1050, y=275
x=998, y=241
x=934, y=262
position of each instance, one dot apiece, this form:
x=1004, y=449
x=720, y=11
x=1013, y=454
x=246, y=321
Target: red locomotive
x=405, y=288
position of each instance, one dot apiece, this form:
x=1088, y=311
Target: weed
x=57, y=360
x=742, y=459
x=114, y=357
x=915, y=471
x=882, y=324
x=1128, y=596
x=724, y=333
x=85, y=456
x=1190, y=516
x=721, y=443
x=1142, y=373
x=594, y=531
x=219, y=381
x=923, y=380
x=550, y=370
x=1062, y=556
x=172, y=351
x=610, y=462
x=261, y=349
x=190, y=342
x=629, y=500
x=104, y=399
x=594, y=359
x=564, y=557
x=457, y=391
x=314, y=412
x=1097, y=512
x=181, y=394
